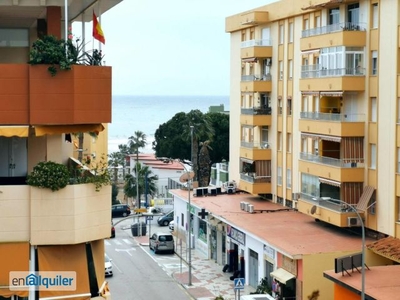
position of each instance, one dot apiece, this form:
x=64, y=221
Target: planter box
x=14, y=94
x=81, y=95
x=75, y=214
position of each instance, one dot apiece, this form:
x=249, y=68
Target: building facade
x=41, y=117
x=315, y=110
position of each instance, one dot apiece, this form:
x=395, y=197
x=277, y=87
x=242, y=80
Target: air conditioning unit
x=242, y=205
x=353, y=222
x=250, y=208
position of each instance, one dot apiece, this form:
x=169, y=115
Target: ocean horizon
x=146, y=113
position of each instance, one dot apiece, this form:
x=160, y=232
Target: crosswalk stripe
x=107, y=243
x=129, y=242
x=117, y=242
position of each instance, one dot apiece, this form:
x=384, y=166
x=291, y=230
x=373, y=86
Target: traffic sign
x=239, y=283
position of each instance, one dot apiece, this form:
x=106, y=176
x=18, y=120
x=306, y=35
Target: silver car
x=162, y=241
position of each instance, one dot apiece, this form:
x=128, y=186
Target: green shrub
x=49, y=175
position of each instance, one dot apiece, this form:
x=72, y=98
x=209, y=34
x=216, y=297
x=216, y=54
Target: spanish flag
x=97, y=31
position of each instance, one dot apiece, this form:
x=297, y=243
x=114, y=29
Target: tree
x=124, y=150
x=132, y=189
x=81, y=136
x=204, y=164
x=135, y=142
x=114, y=194
x=116, y=159
x=220, y=141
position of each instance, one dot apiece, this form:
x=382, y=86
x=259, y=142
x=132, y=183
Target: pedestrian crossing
x=118, y=242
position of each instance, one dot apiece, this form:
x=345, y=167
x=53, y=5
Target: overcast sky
x=176, y=47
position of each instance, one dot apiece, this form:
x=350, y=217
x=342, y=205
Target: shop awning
x=327, y=4
x=329, y=181
x=332, y=94
x=246, y=160
x=310, y=93
x=336, y=139
x=365, y=197
x=9, y=131
x=250, y=59
x=59, y=129
x=282, y=275
x=314, y=51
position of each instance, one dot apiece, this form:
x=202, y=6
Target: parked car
x=161, y=241
x=166, y=219
x=108, y=267
x=120, y=210
x=171, y=225
x=112, y=230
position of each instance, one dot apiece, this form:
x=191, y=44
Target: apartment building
x=314, y=119
x=40, y=118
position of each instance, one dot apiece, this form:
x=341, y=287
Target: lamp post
x=362, y=249
x=189, y=208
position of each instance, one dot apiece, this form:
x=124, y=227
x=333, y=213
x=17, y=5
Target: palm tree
x=81, y=136
x=124, y=150
x=116, y=159
x=132, y=189
x=204, y=164
x=135, y=142
x=202, y=129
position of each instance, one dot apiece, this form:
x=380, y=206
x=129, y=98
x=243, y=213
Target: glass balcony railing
x=260, y=77
x=253, y=178
x=327, y=202
x=260, y=110
x=345, y=26
x=335, y=162
x=318, y=71
x=254, y=43
x=255, y=145
x=332, y=117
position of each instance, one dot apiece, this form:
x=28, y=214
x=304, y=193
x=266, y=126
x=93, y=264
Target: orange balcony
x=255, y=151
x=255, y=184
x=31, y=96
x=256, y=83
x=256, y=116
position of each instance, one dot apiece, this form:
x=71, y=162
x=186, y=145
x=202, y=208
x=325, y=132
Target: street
x=138, y=272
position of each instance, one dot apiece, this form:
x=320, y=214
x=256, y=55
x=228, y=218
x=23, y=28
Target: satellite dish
x=185, y=177
x=313, y=209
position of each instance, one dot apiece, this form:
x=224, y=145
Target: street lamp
x=363, y=244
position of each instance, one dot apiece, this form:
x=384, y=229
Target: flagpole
x=66, y=25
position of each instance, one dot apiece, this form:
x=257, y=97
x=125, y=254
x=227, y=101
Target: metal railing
x=328, y=202
x=332, y=117
x=253, y=178
x=317, y=71
x=258, y=42
x=260, y=110
x=335, y=162
x=255, y=145
x=259, y=77
x=344, y=26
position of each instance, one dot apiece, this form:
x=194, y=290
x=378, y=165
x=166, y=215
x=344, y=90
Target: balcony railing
x=327, y=202
x=340, y=163
x=260, y=77
x=260, y=110
x=345, y=26
x=254, y=43
x=317, y=71
x=253, y=178
x=255, y=145
x=332, y=117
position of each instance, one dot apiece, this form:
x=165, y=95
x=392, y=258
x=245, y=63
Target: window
x=291, y=32
x=317, y=22
x=353, y=13
x=304, y=104
x=304, y=145
x=281, y=70
x=289, y=107
x=310, y=185
x=288, y=178
x=281, y=34
x=306, y=24
x=252, y=36
x=279, y=106
x=290, y=62
x=279, y=176
x=243, y=35
x=14, y=38
x=202, y=230
x=289, y=142
x=316, y=147
x=279, y=141
x=375, y=15
x=398, y=209
x=398, y=160
x=372, y=163
x=398, y=110
x=373, y=110
x=334, y=16
x=374, y=63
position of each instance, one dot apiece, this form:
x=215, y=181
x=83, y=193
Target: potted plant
x=49, y=175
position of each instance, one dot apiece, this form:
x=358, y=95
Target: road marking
x=126, y=250
x=129, y=242
x=107, y=243
x=117, y=242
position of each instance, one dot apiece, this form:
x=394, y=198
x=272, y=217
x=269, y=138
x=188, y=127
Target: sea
x=147, y=113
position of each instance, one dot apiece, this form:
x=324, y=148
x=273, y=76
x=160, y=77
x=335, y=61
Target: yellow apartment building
x=314, y=116
x=40, y=118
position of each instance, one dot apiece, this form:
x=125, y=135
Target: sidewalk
x=208, y=280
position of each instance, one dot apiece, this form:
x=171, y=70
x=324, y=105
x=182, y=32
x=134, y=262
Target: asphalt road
x=138, y=272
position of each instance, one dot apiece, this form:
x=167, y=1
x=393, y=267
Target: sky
x=176, y=47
